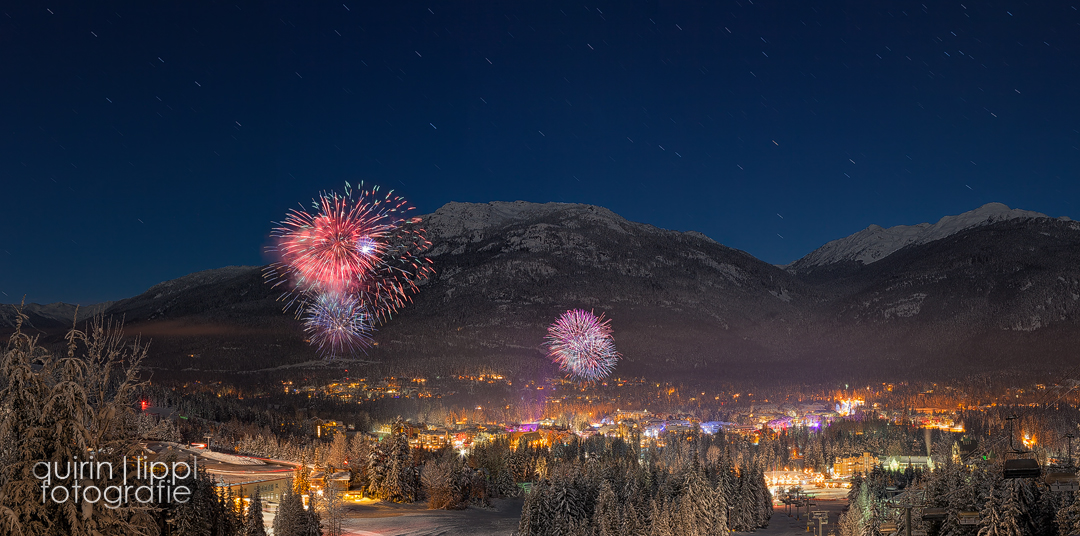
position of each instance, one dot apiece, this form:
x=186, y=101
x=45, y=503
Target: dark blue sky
x=142, y=141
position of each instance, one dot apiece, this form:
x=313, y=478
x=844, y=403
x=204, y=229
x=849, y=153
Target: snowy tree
x=698, y=506
x=745, y=505
x=54, y=408
x=660, y=520
x=291, y=518
x=440, y=482
x=195, y=517
x=1068, y=518
x=398, y=483
x=333, y=507
x=999, y=517
x=606, y=512
x=338, y=452
x=762, y=497
x=360, y=454
x=253, y=522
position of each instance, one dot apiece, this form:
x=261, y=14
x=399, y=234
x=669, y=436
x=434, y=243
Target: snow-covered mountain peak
x=875, y=242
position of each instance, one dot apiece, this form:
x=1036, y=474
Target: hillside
x=991, y=289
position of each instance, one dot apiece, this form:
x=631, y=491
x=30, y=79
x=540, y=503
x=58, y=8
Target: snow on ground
x=377, y=518
x=782, y=524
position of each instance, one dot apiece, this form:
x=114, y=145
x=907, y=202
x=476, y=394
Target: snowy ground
x=377, y=518
x=369, y=518
x=783, y=525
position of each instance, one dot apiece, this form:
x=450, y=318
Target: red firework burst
x=359, y=243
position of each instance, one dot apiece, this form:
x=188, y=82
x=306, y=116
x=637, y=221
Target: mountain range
x=991, y=289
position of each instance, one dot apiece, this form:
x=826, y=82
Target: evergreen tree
x=228, y=516
x=534, y=515
x=333, y=507
x=660, y=520
x=699, y=507
x=567, y=509
x=999, y=516
x=1068, y=518
x=194, y=517
x=721, y=498
x=606, y=512
x=253, y=522
x=359, y=456
x=763, y=498
x=398, y=484
x=290, y=518
x=741, y=518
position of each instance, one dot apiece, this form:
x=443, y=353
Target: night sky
x=147, y=140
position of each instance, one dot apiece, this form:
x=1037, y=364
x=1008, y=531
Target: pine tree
x=289, y=520
x=566, y=509
x=741, y=516
x=763, y=498
x=194, y=517
x=660, y=520
x=698, y=506
x=999, y=516
x=533, y=512
x=1068, y=518
x=359, y=456
x=253, y=522
x=606, y=513
x=398, y=484
x=228, y=517
x=333, y=507
x=722, y=498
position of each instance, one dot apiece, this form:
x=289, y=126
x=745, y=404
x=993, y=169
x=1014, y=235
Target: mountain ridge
x=680, y=303
x=875, y=242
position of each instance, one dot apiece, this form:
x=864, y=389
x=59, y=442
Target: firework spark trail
x=581, y=344
x=392, y=281
x=338, y=324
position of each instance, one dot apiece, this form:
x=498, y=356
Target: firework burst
x=580, y=343
x=348, y=264
x=338, y=324
x=334, y=247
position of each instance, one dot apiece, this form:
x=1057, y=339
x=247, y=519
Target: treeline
x=695, y=484
x=1005, y=507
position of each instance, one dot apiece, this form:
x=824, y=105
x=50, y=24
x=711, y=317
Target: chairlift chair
x=933, y=514
x=1063, y=481
x=1022, y=468
x=968, y=518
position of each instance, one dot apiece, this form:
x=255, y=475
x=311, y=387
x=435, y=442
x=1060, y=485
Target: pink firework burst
x=581, y=344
